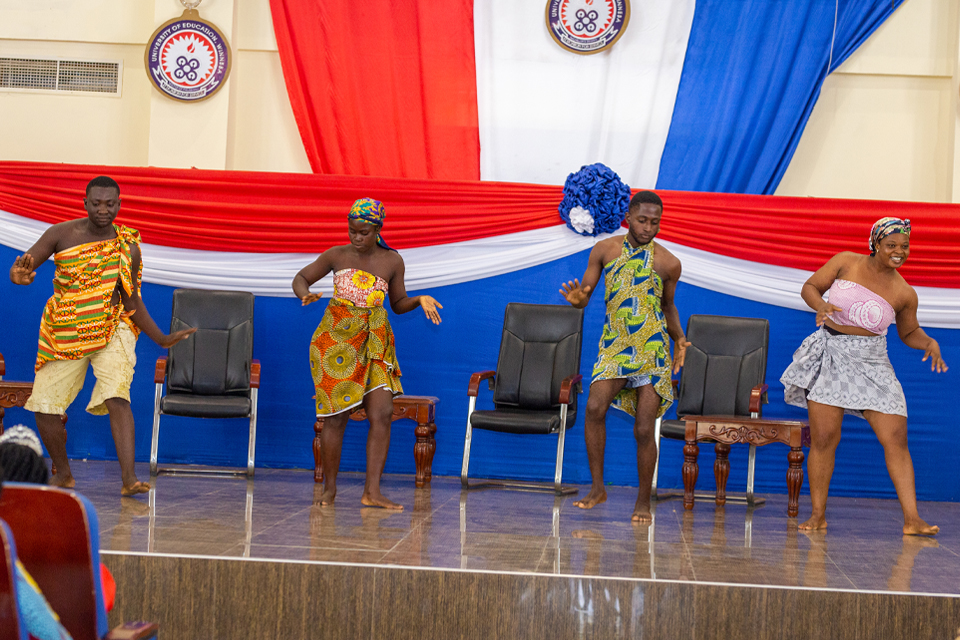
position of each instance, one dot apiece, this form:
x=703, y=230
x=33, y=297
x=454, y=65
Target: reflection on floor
x=278, y=516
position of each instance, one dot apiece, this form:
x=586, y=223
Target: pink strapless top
x=861, y=307
x=359, y=288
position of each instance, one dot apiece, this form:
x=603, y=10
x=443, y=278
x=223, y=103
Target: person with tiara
x=352, y=353
x=843, y=366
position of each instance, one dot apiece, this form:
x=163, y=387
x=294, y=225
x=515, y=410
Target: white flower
x=581, y=220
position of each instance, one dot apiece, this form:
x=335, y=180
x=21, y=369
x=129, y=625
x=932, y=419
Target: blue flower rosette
x=595, y=200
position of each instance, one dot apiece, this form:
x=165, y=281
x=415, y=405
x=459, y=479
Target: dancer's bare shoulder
x=665, y=263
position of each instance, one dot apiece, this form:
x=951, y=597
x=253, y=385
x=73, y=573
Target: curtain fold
x=272, y=213
x=382, y=87
x=745, y=99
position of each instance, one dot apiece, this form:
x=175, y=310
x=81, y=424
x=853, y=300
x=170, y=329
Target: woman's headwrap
x=885, y=227
x=372, y=211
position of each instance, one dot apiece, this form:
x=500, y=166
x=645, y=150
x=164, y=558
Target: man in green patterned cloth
x=633, y=368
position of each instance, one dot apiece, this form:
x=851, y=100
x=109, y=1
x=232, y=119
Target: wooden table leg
x=794, y=480
x=317, y=451
x=690, y=471
x=423, y=450
x=721, y=471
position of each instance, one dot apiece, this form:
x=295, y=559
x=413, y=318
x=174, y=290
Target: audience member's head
x=21, y=457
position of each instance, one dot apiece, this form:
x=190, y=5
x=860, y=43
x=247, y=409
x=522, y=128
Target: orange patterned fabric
x=79, y=318
x=351, y=354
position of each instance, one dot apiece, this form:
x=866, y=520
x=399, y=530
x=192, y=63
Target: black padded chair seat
x=191, y=406
x=520, y=420
x=675, y=429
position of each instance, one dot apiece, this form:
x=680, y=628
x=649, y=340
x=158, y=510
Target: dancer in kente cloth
x=633, y=367
x=352, y=353
x=843, y=366
x=94, y=317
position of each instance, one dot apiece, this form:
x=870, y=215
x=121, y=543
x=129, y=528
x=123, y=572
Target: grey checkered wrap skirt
x=852, y=372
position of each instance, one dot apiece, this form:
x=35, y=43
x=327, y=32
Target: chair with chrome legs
x=535, y=385
x=721, y=394
x=212, y=373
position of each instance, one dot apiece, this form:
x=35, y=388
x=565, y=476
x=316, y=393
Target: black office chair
x=722, y=375
x=535, y=385
x=212, y=373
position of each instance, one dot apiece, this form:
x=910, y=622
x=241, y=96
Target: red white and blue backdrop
x=465, y=118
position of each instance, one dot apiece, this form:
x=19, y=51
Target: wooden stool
x=727, y=430
x=421, y=409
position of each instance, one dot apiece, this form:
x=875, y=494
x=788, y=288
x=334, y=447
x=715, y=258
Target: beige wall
x=887, y=124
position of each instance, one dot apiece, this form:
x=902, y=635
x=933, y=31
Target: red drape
x=277, y=212
x=382, y=87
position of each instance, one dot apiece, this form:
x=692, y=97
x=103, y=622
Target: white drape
x=544, y=112
x=270, y=274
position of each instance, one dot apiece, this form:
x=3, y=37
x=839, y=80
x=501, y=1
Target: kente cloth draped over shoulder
x=353, y=351
x=79, y=318
x=634, y=343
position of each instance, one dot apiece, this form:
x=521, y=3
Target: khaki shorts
x=57, y=383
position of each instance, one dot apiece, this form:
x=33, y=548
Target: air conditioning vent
x=70, y=76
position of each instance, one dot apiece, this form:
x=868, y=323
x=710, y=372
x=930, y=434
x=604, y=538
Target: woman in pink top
x=352, y=354
x=843, y=367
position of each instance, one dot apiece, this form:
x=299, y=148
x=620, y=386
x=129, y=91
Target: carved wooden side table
x=727, y=430
x=420, y=409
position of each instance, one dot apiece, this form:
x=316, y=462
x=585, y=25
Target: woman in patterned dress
x=843, y=366
x=352, y=353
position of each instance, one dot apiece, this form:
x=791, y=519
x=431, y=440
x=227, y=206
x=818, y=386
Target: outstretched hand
x=575, y=294
x=22, y=270
x=679, y=353
x=310, y=298
x=933, y=353
x=430, y=306
x=168, y=341
x=826, y=311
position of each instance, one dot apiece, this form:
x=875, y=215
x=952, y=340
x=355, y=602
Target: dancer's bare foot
x=378, y=500
x=595, y=497
x=62, y=480
x=641, y=515
x=814, y=523
x=327, y=497
x=135, y=489
x=586, y=534
x=918, y=527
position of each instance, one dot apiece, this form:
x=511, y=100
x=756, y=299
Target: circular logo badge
x=187, y=58
x=587, y=26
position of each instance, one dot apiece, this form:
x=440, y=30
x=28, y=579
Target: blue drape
x=745, y=99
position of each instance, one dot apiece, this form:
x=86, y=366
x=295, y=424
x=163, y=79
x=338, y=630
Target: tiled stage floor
x=277, y=516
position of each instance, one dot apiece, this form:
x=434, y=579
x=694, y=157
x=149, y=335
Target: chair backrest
x=10, y=627
x=540, y=346
x=215, y=361
x=57, y=538
x=728, y=357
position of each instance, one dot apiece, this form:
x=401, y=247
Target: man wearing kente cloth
x=633, y=367
x=352, y=354
x=94, y=317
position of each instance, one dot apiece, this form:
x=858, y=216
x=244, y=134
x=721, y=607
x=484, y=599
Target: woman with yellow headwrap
x=352, y=353
x=843, y=366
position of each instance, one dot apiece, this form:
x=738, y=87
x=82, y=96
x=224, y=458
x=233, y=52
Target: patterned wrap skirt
x=352, y=353
x=852, y=372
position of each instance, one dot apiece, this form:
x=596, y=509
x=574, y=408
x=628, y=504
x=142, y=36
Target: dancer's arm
x=671, y=270
x=578, y=293
x=914, y=337
x=139, y=314
x=820, y=282
x=400, y=302
x=310, y=274
x=24, y=267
